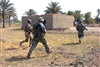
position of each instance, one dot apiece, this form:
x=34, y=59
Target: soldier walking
x=80, y=28
x=28, y=30
x=38, y=32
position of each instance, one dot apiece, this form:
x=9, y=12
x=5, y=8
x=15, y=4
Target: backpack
x=80, y=27
x=36, y=31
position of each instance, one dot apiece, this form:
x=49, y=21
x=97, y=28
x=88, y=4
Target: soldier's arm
x=84, y=27
x=43, y=29
x=77, y=27
x=30, y=27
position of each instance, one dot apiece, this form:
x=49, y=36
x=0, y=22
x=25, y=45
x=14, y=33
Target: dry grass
x=65, y=48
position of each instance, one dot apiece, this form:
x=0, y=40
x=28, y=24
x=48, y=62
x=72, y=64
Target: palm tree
x=97, y=17
x=70, y=13
x=87, y=17
x=30, y=12
x=77, y=15
x=98, y=11
x=6, y=6
x=0, y=14
x=11, y=13
x=53, y=8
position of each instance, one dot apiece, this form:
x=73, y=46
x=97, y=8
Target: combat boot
x=28, y=56
x=79, y=41
x=49, y=52
x=20, y=44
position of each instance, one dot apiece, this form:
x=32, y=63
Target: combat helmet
x=29, y=21
x=40, y=19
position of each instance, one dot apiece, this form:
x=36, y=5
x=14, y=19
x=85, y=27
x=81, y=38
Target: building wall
x=69, y=21
x=35, y=19
x=62, y=21
x=25, y=18
x=52, y=20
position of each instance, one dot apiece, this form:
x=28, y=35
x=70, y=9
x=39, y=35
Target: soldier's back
x=80, y=27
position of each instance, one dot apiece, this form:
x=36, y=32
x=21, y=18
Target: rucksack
x=80, y=27
x=37, y=31
x=34, y=30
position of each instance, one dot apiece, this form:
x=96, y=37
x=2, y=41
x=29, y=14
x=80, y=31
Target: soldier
x=28, y=30
x=39, y=36
x=80, y=28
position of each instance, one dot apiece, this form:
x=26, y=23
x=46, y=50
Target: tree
x=6, y=6
x=0, y=15
x=77, y=15
x=11, y=13
x=88, y=18
x=63, y=13
x=91, y=21
x=97, y=17
x=70, y=13
x=30, y=12
x=53, y=8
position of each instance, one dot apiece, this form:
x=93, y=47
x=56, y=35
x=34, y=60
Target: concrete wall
x=53, y=20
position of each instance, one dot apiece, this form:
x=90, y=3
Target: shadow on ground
x=16, y=58
x=71, y=44
x=17, y=29
x=11, y=49
x=21, y=58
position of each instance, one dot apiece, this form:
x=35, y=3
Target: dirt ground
x=91, y=59
x=56, y=59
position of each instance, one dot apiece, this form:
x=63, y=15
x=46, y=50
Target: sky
x=40, y=5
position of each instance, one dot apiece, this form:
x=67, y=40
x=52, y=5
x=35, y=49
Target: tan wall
x=35, y=19
x=52, y=20
x=25, y=18
x=49, y=21
x=69, y=21
x=62, y=21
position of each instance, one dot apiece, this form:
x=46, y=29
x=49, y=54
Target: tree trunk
x=3, y=17
x=9, y=21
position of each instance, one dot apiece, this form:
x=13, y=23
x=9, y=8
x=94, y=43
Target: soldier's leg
x=80, y=35
x=30, y=40
x=44, y=42
x=26, y=39
x=34, y=44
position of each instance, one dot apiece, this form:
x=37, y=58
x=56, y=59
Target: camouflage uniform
x=39, y=36
x=28, y=30
x=80, y=28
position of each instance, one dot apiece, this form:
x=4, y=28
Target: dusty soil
x=56, y=59
x=15, y=56
x=91, y=59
